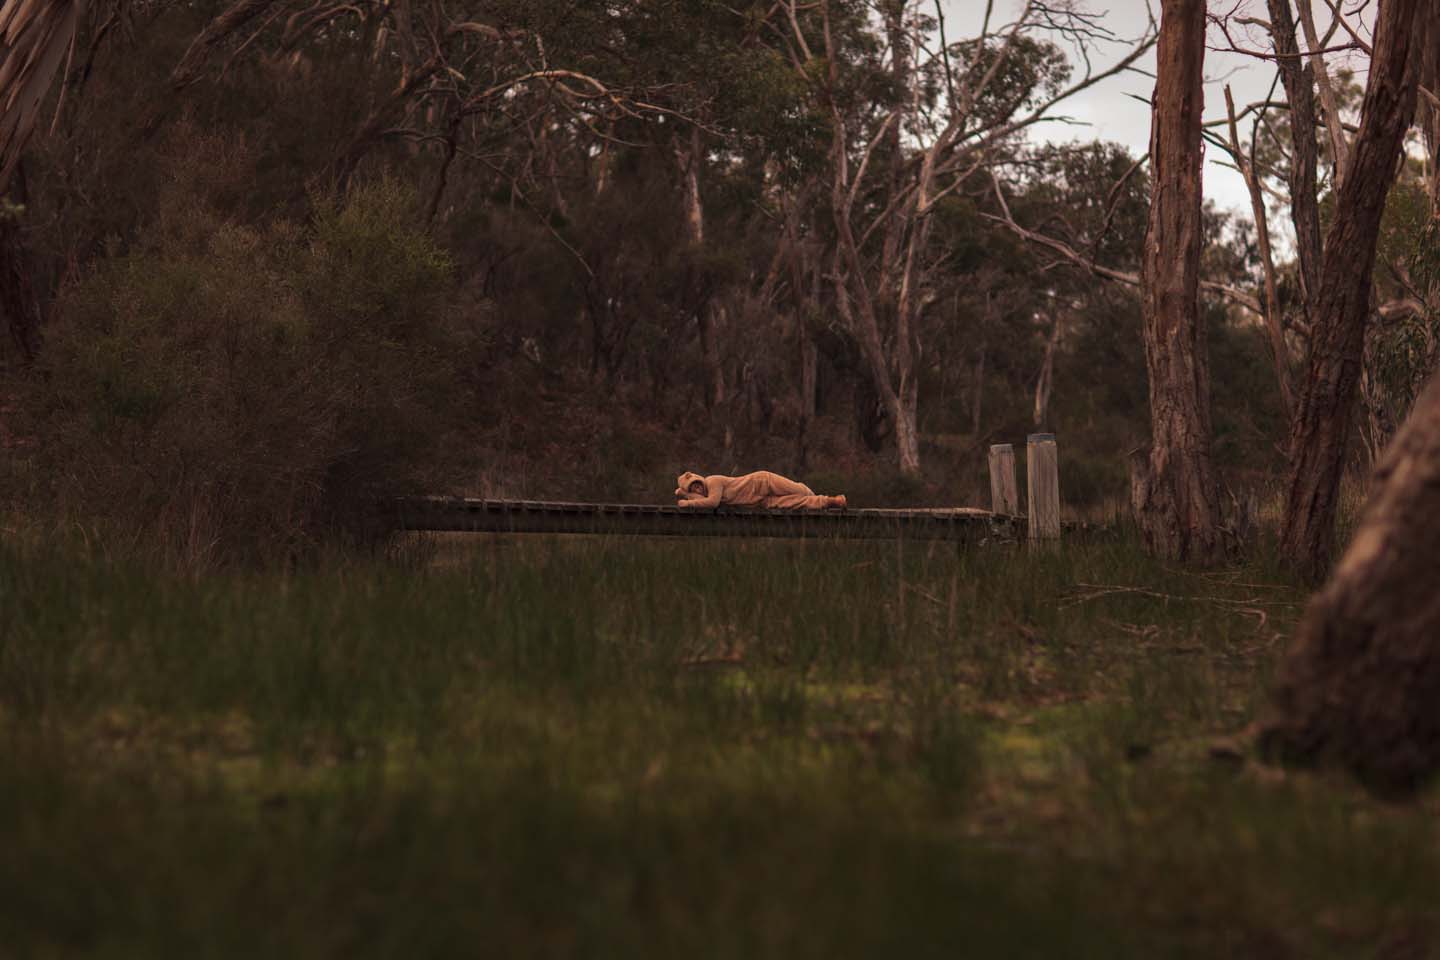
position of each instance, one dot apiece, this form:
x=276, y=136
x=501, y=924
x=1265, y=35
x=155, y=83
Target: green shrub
x=232, y=392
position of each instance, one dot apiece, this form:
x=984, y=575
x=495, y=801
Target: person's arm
x=711, y=500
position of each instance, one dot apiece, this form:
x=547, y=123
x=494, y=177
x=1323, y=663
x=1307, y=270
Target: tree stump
x=1360, y=685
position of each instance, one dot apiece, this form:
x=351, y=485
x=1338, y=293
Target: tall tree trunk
x=1340, y=148
x=689, y=155
x=1299, y=82
x=801, y=294
x=1044, y=382
x=1279, y=351
x=1321, y=428
x=1360, y=683
x=899, y=402
x=1175, y=499
x=1430, y=126
x=712, y=317
x=892, y=372
x=19, y=307
x=808, y=359
x=978, y=396
x=19, y=303
x=892, y=152
x=687, y=158
x=907, y=428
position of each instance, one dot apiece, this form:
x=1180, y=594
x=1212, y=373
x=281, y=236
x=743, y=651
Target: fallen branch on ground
x=1248, y=605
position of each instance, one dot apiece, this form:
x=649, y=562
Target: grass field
x=570, y=747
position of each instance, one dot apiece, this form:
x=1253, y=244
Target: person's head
x=690, y=483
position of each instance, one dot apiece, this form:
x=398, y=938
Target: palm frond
x=34, y=37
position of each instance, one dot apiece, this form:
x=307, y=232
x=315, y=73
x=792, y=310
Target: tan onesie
x=759, y=489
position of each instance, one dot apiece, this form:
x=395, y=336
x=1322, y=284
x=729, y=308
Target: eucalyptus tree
x=1350, y=318
x=1342, y=304
x=1175, y=496
x=1315, y=154
x=513, y=97
x=913, y=116
x=1357, y=686
x=1359, y=683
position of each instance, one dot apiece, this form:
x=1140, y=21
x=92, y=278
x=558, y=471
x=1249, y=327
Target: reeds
x=551, y=747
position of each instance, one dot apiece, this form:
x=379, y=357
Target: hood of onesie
x=682, y=483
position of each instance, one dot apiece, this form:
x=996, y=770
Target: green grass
x=572, y=747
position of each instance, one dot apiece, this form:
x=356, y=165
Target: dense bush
x=230, y=391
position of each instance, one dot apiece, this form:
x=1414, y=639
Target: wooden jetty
x=964, y=524
x=458, y=514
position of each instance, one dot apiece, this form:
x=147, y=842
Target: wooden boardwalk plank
x=457, y=514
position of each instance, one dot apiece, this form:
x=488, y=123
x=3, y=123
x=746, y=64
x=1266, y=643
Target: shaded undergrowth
x=576, y=746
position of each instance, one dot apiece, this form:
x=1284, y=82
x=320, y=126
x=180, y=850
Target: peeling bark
x=1360, y=682
x=1174, y=495
x=1299, y=83
x=1045, y=381
x=1321, y=428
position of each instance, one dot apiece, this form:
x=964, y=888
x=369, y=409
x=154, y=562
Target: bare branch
x=1403, y=308
x=188, y=70
x=1112, y=201
x=1234, y=295
x=1339, y=144
x=986, y=136
x=1280, y=355
x=1338, y=18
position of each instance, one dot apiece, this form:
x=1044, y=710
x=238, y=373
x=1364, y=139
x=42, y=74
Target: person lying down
x=759, y=489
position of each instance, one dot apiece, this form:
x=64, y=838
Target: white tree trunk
x=907, y=438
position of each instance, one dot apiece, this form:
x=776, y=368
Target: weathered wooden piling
x=1004, y=494
x=1042, y=470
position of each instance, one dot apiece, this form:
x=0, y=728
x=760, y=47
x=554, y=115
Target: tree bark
x=808, y=359
x=688, y=157
x=899, y=401
x=1174, y=497
x=892, y=153
x=20, y=312
x=1279, y=352
x=891, y=371
x=1045, y=380
x=907, y=432
x=19, y=307
x=1321, y=428
x=1299, y=85
x=805, y=288
x=978, y=395
x=1429, y=79
x=1360, y=683
x=1334, y=123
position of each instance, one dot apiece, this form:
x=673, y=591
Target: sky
x=1110, y=112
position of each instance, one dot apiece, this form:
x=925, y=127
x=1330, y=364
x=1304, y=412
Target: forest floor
x=583, y=747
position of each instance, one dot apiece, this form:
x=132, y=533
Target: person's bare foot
x=838, y=503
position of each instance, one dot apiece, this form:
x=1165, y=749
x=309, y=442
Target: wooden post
x=1004, y=495
x=1042, y=471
